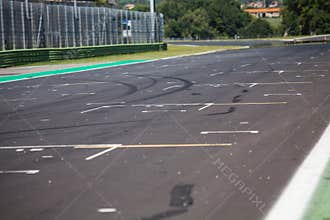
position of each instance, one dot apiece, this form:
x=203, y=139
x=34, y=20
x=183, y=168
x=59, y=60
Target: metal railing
x=25, y=25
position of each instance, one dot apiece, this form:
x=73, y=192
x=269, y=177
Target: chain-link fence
x=26, y=25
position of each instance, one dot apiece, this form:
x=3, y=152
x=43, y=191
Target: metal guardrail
x=40, y=25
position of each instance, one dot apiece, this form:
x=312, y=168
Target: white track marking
x=76, y=84
x=105, y=103
x=252, y=84
x=172, y=87
x=29, y=172
x=206, y=106
x=214, y=85
x=19, y=150
x=203, y=104
x=295, y=198
x=36, y=149
x=244, y=123
x=283, y=94
x=229, y=132
x=31, y=147
x=165, y=110
x=107, y=210
x=107, y=146
x=47, y=156
x=80, y=93
x=20, y=99
x=102, y=107
x=215, y=74
x=245, y=65
x=101, y=153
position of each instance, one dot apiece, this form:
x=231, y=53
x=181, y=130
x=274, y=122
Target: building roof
x=262, y=10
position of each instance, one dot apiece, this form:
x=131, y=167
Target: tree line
x=209, y=19
x=305, y=17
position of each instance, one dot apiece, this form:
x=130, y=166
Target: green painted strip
x=320, y=203
x=12, y=78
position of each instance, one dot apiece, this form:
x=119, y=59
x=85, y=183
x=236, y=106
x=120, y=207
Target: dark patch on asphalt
x=195, y=93
x=186, y=84
x=131, y=88
x=237, y=99
x=180, y=199
x=230, y=110
x=245, y=91
x=181, y=196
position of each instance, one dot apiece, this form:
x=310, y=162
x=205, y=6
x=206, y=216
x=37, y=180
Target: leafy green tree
x=306, y=17
x=256, y=29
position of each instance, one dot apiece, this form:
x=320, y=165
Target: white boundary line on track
x=101, y=153
x=294, y=200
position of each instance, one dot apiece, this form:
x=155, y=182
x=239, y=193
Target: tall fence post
x=80, y=34
x=23, y=25
x=13, y=37
x=3, y=46
x=73, y=12
x=59, y=26
x=93, y=27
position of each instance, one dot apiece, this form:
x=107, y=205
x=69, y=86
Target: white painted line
x=76, y=84
x=47, y=156
x=102, y=152
x=20, y=99
x=165, y=110
x=229, y=132
x=203, y=104
x=105, y=103
x=244, y=123
x=283, y=94
x=206, y=106
x=101, y=107
x=36, y=149
x=19, y=150
x=107, y=210
x=295, y=198
x=245, y=65
x=30, y=147
x=171, y=87
x=215, y=74
x=29, y=172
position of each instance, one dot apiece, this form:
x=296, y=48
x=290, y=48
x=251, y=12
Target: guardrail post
x=3, y=46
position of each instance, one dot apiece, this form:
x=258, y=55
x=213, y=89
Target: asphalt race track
x=214, y=136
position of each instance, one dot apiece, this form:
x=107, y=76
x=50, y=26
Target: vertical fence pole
x=3, y=46
x=12, y=25
x=111, y=26
x=87, y=30
x=32, y=26
x=93, y=27
x=99, y=26
x=59, y=26
x=23, y=25
x=66, y=26
x=104, y=28
x=117, y=25
x=121, y=26
x=47, y=44
x=80, y=34
x=73, y=12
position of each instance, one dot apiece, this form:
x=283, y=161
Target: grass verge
x=173, y=50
